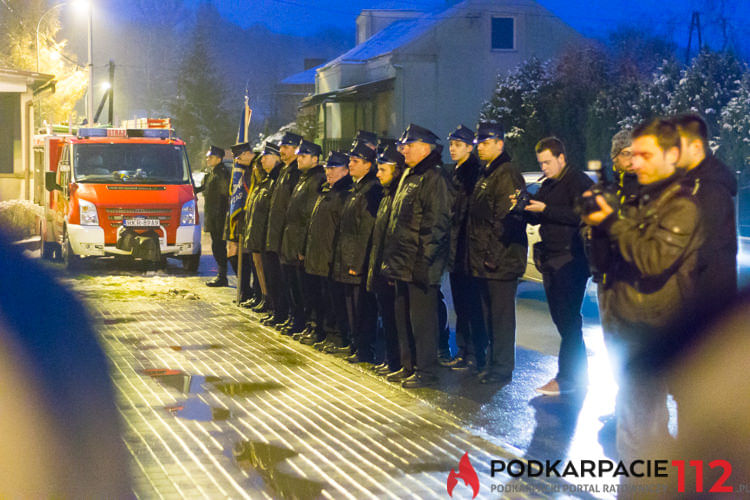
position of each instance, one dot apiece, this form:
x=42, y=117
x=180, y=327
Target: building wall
x=16, y=129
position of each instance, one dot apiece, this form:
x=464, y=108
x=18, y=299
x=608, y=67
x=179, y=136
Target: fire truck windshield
x=135, y=163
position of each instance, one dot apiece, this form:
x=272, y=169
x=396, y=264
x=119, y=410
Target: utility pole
x=108, y=96
x=695, y=24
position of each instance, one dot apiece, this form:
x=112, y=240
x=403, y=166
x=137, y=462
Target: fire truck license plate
x=141, y=222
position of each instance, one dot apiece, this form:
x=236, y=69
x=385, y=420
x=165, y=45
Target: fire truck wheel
x=191, y=263
x=70, y=260
x=49, y=248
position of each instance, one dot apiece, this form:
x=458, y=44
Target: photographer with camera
x=657, y=244
x=560, y=258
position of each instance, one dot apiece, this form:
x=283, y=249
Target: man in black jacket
x=293, y=241
x=390, y=166
x=319, y=249
x=658, y=245
x=280, y=194
x=471, y=338
x=216, y=204
x=353, y=248
x=560, y=258
x=497, y=249
x=416, y=253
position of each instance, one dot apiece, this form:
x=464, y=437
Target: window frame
x=513, y=35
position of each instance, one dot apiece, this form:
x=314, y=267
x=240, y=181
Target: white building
x=432, y=69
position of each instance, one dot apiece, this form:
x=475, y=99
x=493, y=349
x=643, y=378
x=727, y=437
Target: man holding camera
x=651, y=281
x=560, y=258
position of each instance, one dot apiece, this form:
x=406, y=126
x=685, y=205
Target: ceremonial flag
x=240, y=185
x=243, y=132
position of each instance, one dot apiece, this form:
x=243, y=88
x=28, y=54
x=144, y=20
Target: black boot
x=219, y=280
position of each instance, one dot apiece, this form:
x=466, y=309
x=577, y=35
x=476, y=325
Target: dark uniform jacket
x=216, y=198
x=255, y=235
x=323, y=227
x=280, y=194
x=298, y=213
x=378, y=235
x=463, y=180
x=654, y=276
x=417, y=240
x=355, y=231
x=715, y=187
x=497, y=238
x=560, y=233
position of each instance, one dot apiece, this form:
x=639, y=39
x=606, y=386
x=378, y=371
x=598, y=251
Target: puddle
x=263, y=459
x=197, y=347
x=183, y=382
x=196, y=409
x=124, y=340
x=244, y=389
x=116, y=321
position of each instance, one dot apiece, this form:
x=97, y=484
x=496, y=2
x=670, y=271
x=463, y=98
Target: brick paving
x=214, y=405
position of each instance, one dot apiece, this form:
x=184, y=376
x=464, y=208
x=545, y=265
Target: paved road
x=216, y=405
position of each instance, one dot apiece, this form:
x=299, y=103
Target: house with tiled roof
x=433, y=69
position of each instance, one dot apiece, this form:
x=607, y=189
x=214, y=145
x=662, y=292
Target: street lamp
x=82, y=5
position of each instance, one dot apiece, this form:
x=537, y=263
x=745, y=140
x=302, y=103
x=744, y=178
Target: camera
x=522, y=200
x=602, y=187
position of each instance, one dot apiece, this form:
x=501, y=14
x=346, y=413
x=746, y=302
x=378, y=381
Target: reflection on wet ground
x=197, y=409
x=197, y=347
x=264, y=459
x=244, y=389
x=183, y=382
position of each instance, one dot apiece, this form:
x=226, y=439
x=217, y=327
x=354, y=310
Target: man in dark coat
x=298, y=213
x=497, y=249
x=216, y=205
x=280, y=194
x=560, y=258
x=416, y=253
x=353, y=248
x=319, y=249
x=471, y=338
x=658, y=245
x=390, y=166
x=255, y=241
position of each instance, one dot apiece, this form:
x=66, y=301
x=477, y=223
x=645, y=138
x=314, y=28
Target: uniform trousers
x=291, y=280
x=498, y=300
x=362, y=313
x=471, y=336
x=386, y=298
x=416, y=309
x=276, y=289
x=337, y=297
x=219, y=251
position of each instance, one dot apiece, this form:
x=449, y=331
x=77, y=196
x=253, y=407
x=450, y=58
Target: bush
x=19, y=219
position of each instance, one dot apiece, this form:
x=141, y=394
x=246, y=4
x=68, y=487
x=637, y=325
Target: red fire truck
x=118, y=191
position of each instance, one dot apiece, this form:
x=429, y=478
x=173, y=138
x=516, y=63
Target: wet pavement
x=215, y=405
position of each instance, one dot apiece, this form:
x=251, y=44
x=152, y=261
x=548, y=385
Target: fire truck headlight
x=187, y=217
x=88, y=213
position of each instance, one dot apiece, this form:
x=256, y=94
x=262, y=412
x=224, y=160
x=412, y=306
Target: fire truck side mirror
x=50, y=181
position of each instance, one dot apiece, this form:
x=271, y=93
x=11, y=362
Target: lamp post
x=90, y=65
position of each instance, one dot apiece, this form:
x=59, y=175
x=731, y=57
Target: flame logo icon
x=467, y=473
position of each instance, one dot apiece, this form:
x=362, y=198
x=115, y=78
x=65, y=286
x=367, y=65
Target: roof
x=306, y=77
x=33, y=79
x=389, y=39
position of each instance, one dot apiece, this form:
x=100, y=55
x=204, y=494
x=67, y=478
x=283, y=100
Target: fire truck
x=119, y=191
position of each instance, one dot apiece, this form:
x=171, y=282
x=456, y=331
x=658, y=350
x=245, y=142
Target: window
x=10, y=130
x=503, y=33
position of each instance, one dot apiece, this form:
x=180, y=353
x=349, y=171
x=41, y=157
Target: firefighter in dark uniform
x=416, y=253
x=216, y=205
x=319, y=249
x=471, y=337
x=256, y=233
x=353, y=249
x=390, y=166
x=280, y=194
x=497, y=249
x=234, y=228
x=293, y=242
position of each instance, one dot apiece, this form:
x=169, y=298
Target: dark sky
x=593, y=18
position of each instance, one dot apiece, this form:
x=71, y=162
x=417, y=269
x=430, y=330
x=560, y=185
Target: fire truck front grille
x=115, y=216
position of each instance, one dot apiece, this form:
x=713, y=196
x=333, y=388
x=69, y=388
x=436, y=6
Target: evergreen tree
x=734, y=128
x=198, y=108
